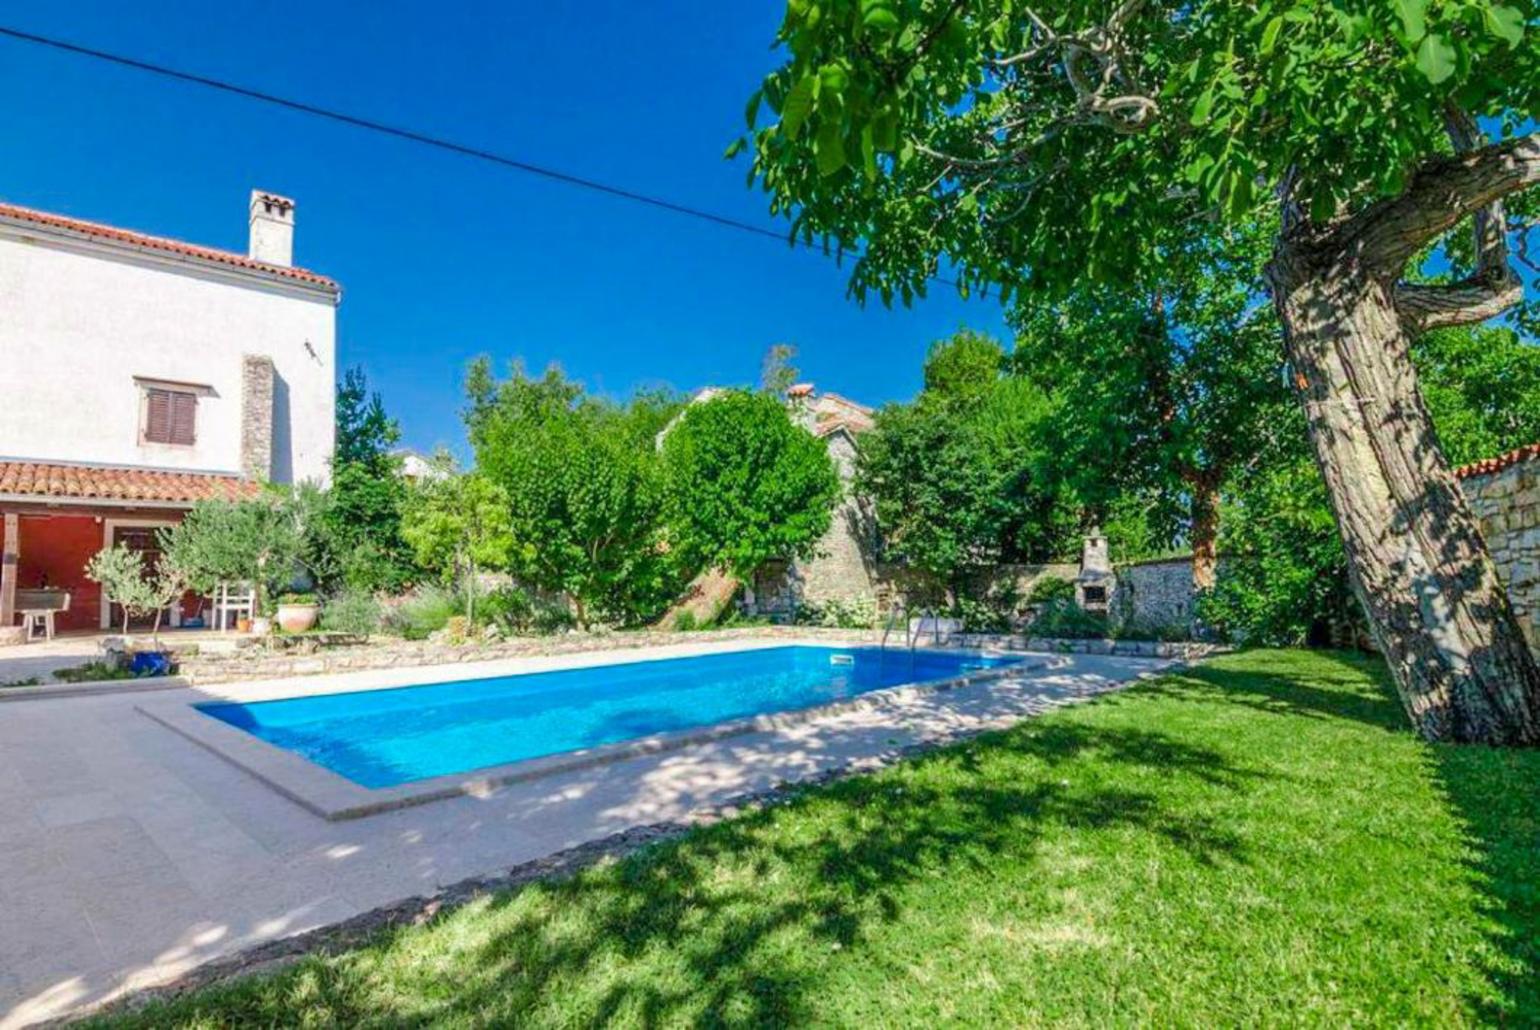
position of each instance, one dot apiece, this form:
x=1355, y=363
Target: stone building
x=845, y=566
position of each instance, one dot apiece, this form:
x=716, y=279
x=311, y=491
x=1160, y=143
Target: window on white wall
x=169, y=415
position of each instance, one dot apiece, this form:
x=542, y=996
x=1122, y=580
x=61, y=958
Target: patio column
x=10, y=558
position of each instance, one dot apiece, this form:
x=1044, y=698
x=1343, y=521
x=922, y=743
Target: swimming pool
x=383, y=738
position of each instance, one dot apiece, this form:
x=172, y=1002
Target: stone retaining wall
x=1506, y=501
x=254, y=663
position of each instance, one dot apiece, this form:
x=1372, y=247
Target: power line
x=411, y=135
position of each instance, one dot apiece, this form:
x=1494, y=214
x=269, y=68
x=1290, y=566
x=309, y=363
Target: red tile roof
x=1489, y=465
x=834, y=413
x=103, y=483
x=107, y=232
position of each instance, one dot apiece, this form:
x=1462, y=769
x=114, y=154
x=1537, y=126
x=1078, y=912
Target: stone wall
x=307, y=657
x=845, y=568
x=1506, y=500
x=1155, y=594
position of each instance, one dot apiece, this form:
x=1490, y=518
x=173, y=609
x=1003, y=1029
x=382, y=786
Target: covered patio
x=55, y=516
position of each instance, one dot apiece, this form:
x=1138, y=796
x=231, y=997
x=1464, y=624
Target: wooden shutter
x=170, y=416
x=184, y=418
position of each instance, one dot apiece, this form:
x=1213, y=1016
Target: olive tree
x=1027, y=145
x=138, y=589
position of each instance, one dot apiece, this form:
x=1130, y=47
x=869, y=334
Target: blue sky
x=443, y=258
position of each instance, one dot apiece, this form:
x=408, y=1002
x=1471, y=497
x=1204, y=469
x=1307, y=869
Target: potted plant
x=297, y=612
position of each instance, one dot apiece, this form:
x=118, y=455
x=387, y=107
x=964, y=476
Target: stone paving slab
x=130, y=855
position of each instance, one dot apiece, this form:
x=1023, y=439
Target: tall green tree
x=745, y=484
x=584, y=489
x=359, y=543
x=1482, y=385
x=962, y=477
x=1169, y=382
x=1028, y=144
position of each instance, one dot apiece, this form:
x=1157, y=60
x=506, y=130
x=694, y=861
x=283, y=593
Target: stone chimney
x=272, y=228
x=257, y=417
x=799, y=401
x=1093, y=587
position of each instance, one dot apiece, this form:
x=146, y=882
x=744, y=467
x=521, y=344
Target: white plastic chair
x=232, y=599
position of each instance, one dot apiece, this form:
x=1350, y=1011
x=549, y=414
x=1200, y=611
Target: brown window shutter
x=157, y=417
x=184, y=418
x=171, y=416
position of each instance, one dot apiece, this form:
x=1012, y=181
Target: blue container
x=151, y=663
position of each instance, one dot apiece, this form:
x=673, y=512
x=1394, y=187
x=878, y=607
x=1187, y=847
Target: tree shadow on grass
x=735, y=924
x=1496, y=792
x=1334, y=685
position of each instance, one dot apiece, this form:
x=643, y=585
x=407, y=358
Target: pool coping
x=335, y=798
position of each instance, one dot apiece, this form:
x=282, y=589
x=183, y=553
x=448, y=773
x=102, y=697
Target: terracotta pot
x=297, y=618
x=242, y=625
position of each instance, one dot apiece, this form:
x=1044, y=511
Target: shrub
x=995, y=612
x=980, y=616
x=354, y=612
x=518, y=612
x=1051, y=588
x=1067, y=619
x=837, y=613
x=552, y=618
x=732, y=617
x=1138, y=629
x=297, y=597
x=509, y=608
x=421, y=613
x=91, y=671
x=685, y=622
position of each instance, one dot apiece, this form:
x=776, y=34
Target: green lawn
x=1259, y=840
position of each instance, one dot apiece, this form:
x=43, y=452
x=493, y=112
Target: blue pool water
x=380, y=738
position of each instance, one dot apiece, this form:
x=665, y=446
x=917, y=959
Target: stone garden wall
x=1155, y=595
x=1504, y=494
x=306, y=657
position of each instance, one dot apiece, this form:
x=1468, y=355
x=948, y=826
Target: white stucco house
x=143, y=374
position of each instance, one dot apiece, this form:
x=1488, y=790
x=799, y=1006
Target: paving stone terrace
x=130, y=856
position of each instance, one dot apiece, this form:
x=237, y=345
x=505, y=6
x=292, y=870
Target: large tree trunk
x=1205, y=530
x=1417, y=562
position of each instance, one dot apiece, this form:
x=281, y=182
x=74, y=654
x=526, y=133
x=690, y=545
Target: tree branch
x=1463, y=303
x=1096, y=65
x=1493, y=288
x=1442, y=193
x=1491, y=222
